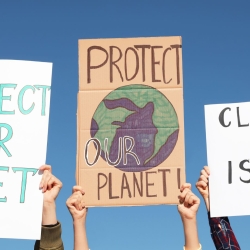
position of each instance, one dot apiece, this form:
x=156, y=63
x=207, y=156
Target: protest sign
x=130, y=146
x=228, y=154
x=24, y=115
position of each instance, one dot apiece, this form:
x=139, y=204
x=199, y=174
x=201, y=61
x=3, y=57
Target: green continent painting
x=137, y=128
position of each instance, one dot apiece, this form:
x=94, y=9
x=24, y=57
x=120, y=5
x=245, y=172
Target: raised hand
x=78, y=211
x=51, y=187
x=202, y=185
x=189, y=202
x=188, y=207
x=76, y=205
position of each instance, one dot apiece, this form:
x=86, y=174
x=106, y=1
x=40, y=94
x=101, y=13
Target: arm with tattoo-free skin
x=51, y=187
x=188, y=207
x=78, y=212
x=51, y=228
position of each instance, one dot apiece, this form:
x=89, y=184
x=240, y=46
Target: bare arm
x=188, y=207
x=51, y=229
x=51, y=187
x=78, y=212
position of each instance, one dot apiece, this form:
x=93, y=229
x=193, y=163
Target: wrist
x=79, y=221
x=189, y=220
x=49, y=204
x=49, y=213
x=191, y=234
x=189, y=217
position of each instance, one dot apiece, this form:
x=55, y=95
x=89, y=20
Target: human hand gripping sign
x=51, y=187
x=76, y=205
x=202, y=185
x=78, y=211
x=189, y=202
x=187, y=208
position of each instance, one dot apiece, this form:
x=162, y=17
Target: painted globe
x=137, y=127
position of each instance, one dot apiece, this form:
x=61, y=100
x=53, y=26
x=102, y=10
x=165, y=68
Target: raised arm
x=188, y=207
x=78, y=212
x=220, y=228
x=51, y=228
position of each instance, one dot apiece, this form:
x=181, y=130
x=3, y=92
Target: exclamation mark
x=179, y=177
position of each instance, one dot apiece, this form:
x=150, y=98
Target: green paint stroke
x=164, y=116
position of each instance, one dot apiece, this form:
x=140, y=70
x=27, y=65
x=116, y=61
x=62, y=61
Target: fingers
x=191, y=200
x=203, y=179
x=188, y=198
x=206, y=168
x=184, y=190
x=201, y=185
x=76, y=200
x=48, y=180
x=46, y=167
x=52, y=182
x=78, y=188
x=78, y=192
x=204, y=174
x=185, y=185
x=46, y=176
x=183, y=195
x=46, y=172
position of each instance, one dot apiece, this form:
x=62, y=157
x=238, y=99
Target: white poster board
x=24, y=116
x=228, y=155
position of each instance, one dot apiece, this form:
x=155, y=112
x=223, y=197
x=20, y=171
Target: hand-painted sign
x=130, y=121
x=228, y=147
x=24, y=114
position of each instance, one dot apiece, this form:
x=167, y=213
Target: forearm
x=206, y=200
x=80, y=235
x=49, y=214
x=191, y=234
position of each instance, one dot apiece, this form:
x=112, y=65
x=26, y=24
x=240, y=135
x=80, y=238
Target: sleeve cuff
x=51, y=237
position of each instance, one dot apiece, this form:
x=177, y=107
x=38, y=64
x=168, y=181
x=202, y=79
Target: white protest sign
x=24, y=116
x=228, y=154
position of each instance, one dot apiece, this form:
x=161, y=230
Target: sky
x=216, y=66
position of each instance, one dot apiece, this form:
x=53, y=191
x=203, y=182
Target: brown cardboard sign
x=130, y=125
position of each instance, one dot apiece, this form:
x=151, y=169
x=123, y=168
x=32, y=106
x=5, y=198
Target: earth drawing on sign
x=137, y=127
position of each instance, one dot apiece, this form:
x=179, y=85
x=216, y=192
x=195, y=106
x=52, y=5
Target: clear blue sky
x=216, y=39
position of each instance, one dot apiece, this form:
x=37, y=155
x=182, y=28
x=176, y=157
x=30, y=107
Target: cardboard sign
x=228, y=154
x=24, y=115
x=130, y=121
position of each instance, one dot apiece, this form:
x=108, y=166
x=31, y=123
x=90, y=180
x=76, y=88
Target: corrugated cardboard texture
x=130, y=126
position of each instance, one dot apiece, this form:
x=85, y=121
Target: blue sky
x=216, y=38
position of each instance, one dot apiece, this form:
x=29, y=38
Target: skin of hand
x=188, y=207
x=203, y=186
x=78, y=211
x=76, y=205
x=189, y=202
x=50, y=187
